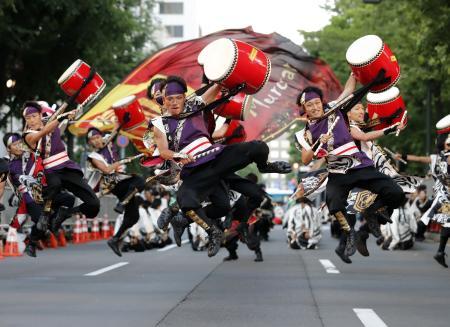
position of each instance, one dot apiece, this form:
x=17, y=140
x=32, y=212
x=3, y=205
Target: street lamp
x=10, y=83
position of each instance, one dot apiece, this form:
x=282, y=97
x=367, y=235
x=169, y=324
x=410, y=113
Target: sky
x=285, y=17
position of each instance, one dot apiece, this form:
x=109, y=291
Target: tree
x=41, y=38
x=417, y=32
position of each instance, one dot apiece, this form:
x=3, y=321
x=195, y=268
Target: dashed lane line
x=103, y=270
x=170, y=247
x=329, y=267
x=369, y=318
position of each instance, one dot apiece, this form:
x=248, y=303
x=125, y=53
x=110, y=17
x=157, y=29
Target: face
x=314, y=108
x=149, y=196
x=422, y=195
x=16, y=148
x=34, y=121
x=96, y=141
x=447, y=146
x=356, y=113
x=174, y=104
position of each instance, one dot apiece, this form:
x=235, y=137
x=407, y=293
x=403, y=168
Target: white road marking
x=103, y=270
x=369, y=318
x=170, y=247
x=329, y=267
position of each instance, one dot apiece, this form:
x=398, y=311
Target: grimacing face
x=34, y=121
x=356, y=113
x=174, y=104
x=96, y=141
x=314, y=108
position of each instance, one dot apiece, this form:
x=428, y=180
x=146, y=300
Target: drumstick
x=392, y=154
x=401, y=122
x=330, y=130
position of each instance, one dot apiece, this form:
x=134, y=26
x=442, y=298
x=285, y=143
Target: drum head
x=124, y=102
x=69, y=71
x=382, y=97
x=363, y=50
x=218, y=58
x=443, y=123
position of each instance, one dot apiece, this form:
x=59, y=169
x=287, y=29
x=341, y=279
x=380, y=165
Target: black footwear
x=215, y=240
x=361, y=243
x=232, y=256
x=350, y=247
x=179, y=223
x=440, y=258
x=30, y=249
x=63, y=214
x=248, y=239
x=279, y=167
x=42, y=224
x=114, y=244
x=384, y=215
x=373, y=225
x=259, y=257
x=164, y=218
x=340, y=251
x=119, y=208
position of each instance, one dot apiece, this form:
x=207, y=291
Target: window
x=274, y=154
x=284, y=154
x=175, y=30
x=274, y=144
x=285, y=144
x=171, y=8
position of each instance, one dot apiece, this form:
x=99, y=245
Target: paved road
x=179, y=287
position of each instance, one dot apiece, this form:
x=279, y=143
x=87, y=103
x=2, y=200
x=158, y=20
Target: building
x=178, y=21
x=279, y=150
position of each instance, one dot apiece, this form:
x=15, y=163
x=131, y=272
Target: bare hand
x=324, y=138
x=397, y=156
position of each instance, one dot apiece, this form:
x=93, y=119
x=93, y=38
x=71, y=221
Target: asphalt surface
x=179, y=287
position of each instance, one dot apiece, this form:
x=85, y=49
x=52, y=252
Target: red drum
x=129, y=104
x=72, y=79
x=443, y=125
x=235, y=133
x=231, y=62
x=237, y=108
x=367, y=55
x=386, y=104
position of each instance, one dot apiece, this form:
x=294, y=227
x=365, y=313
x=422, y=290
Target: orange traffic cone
x=51, y=241
x=62, y=238
x=76, y=239
x=84, y=229
x=105, y=227
x=111, y=229
x=1, y=249
x=95, y=231
x=12, y=246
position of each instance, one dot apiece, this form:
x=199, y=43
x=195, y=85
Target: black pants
x=131, y=214
x=72, y=180
x=35, y=211
x=339, y=186
x=201, y=181
x=445, y=234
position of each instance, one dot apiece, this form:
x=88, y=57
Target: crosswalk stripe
x=329, y=267
x=369, y=318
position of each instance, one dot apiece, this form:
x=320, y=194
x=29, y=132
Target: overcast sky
x=266, y=16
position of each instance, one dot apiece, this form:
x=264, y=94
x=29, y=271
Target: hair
x=154, y=81
x=421, y=187
x=309, y=89
x=156, y=203
x=252, y=177
x=33, y=104
x=176, y=79
x=440, y=142
x=6, y=137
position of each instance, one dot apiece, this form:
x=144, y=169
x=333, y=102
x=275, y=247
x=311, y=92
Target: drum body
x=386, y=104
x=237, y=108
x=129, y=104
x=231, y=62
x=367, y=56
x=235, y=133
x=72, y=79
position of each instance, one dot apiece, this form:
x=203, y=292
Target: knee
x=187, y=201
x=396, y=196
x=92, y=207
x=259, y=148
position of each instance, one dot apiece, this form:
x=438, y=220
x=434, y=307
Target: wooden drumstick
x=401, y=122
x=330, y=130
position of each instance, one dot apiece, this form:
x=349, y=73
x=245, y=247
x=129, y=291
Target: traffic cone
x=12, y=246
x=105, y=227
x=51, y=241
x=111, y=230
x=84, y=230
x=95, y=231
x=1, y=249
x=62, y=238
x=76, y=239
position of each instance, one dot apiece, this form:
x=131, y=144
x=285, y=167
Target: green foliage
x=41, y=38
x=418, y=33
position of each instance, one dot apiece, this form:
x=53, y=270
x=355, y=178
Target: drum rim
x=386, y=100
x=72, y=68
x=392, y=84
x=131, y=98
x=96, y=94
x=248, y=100
x=443, y=119
x=233, y=65
x=134, y=127
x=380, y=51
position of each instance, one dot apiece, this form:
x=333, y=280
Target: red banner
x=274, y=108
